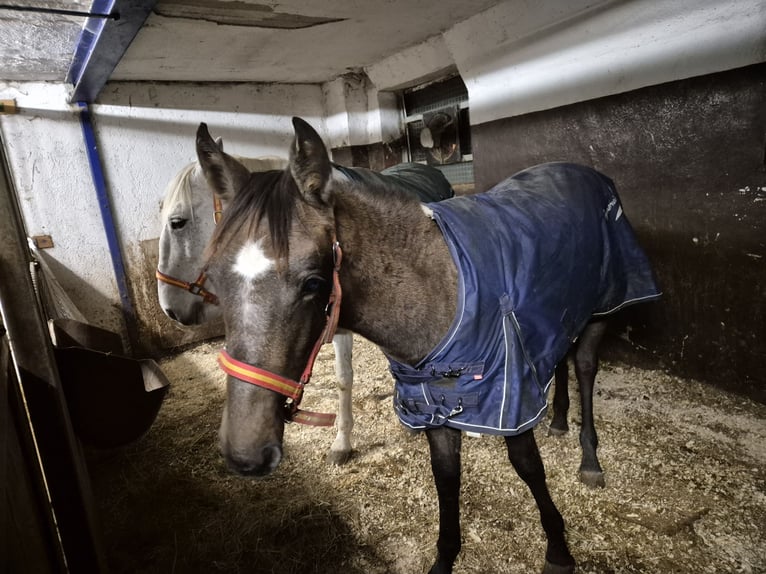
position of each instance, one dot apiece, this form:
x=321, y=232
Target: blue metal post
x=94, y=159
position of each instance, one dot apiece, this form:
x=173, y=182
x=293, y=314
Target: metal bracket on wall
x=43, y=241
x=8, y=107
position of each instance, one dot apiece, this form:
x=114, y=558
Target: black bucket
x=112, y=399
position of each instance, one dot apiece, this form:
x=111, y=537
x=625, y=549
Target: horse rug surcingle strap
x=538, y=256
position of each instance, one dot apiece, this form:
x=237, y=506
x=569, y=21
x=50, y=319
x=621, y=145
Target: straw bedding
x=685, y=468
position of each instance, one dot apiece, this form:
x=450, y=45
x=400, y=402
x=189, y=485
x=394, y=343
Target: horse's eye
x=313, y=285
x=177, y=222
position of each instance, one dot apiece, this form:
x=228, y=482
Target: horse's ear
x=219, y=143
x=310, y=164
x=224, y=174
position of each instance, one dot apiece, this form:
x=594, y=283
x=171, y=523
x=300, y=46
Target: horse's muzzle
x=264, y=463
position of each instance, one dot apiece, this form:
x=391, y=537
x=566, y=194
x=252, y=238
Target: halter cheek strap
x=291, y=389
x=217, y=208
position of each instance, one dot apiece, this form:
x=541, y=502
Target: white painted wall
x=358, y=113
x=49, y=167
x=516, y=58
x=520, y=63
x=526, y=56
x=145, y=134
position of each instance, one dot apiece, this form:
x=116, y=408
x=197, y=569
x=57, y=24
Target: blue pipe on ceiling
x=102, y=44
x=86, y=45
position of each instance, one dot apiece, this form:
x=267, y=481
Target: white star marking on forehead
x=252, y=262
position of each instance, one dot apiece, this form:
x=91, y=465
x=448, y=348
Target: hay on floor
x=685, y=468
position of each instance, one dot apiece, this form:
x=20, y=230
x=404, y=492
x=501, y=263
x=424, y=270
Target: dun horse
x=189, y=215
x=474, y=300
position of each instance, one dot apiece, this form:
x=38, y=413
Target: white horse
x=187, y=296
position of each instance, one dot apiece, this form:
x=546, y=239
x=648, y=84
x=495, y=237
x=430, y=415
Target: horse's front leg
x=445, y=464
x=525, y=457
x=586, y=367
x=340, y=451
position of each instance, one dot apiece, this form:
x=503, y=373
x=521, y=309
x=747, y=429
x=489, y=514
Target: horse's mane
x=271, y=195
x=178, y=190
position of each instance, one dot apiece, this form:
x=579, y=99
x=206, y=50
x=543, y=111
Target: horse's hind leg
x=445, y=446
x=340, y=451
x=559, y=425
x=586, y=367
x=525, y=457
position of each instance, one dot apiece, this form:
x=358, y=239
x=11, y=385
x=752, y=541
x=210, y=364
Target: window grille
x=442, y=107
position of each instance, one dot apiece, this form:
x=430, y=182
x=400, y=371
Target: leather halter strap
x=217, y=208
x=291, y=389
x=196, y=286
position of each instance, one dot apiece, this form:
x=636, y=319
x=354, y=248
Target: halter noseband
x=291, y=389
x=196, y=287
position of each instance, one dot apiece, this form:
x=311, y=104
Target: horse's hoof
x=551, y=568
x=338, y=457
x=592, y=478
x=553, y=431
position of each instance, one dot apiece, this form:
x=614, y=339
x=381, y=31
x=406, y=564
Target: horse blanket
x=538, y=256
x=423, y=181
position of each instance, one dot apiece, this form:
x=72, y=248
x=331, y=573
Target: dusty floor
x=685, y=464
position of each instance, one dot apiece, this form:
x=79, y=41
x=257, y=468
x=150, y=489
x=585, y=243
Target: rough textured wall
x=689, y=162
x=144, y=135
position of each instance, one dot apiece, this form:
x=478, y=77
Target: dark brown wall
x=688, y=160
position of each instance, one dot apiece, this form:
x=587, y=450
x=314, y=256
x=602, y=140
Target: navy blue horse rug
x=538, y=256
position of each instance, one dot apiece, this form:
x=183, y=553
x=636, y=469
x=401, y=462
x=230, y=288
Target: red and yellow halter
x=196, y=287
x=291, y=389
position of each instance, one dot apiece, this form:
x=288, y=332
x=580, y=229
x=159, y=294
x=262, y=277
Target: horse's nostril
x=265, y=464
x=187, y=319
x=272, y=455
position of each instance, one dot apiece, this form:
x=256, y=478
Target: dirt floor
x=685, y=469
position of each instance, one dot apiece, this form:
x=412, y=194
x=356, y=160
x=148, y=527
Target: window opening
x=438, y=128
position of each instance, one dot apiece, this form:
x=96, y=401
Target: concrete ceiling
x=291, y=41
x=38, y=46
